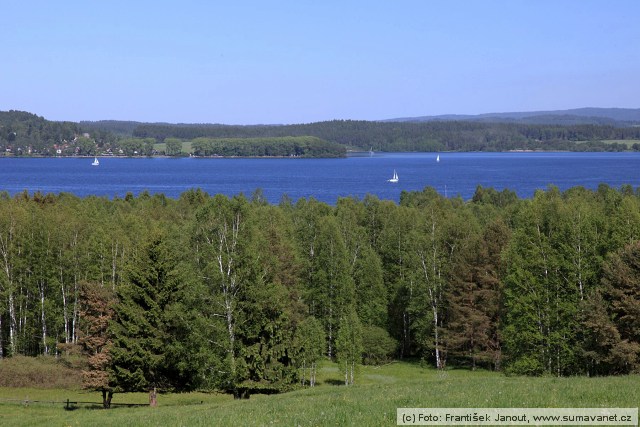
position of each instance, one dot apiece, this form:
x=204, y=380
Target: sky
x=301, y=61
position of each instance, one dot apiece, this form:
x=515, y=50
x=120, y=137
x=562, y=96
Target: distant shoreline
x=106, y=156
x=347, y=155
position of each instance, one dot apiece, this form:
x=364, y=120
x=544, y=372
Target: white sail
x=438, y=158
x=96, y=162
x=395, y=177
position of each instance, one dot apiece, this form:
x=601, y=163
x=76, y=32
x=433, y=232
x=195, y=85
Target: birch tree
x=330, y=289
x=219, y=239
x=349, y=347
x=309, y=342
x=394, y=250
x=364, y=264
x=541, y=323
x=10, y=220
x=430, y=254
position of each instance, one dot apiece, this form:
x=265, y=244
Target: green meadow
x=372, y=401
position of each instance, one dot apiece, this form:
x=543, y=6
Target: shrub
x=379, y=346
x=39, y=372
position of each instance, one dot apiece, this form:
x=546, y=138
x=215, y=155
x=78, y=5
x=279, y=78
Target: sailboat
x=395, y=177
x=96, y=162
x=438, y=158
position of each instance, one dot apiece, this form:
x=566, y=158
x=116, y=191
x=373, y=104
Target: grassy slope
x=372, y=402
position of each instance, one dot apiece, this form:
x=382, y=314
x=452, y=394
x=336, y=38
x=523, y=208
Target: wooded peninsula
x=26, y=134
x=236, y=294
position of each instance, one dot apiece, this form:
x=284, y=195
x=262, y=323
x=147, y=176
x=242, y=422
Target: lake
x=324, y=179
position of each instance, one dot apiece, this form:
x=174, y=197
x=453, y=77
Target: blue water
x=323, y=179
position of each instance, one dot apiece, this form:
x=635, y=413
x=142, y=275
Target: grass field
x=371, y=402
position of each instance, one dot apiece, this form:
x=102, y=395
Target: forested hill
x=116, y=127
x=26, y=129
x=420, y=136
x=23, y=133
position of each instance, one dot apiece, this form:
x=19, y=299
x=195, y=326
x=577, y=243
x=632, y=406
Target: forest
x=26, y=134
x=212, y=292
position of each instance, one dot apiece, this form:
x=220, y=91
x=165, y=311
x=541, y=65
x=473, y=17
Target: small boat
x=395, y=177
x=96, y=162
x=438, y=158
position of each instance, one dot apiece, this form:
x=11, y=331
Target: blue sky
x=251, y=62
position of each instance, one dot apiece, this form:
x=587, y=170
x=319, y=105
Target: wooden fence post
x=153, y=398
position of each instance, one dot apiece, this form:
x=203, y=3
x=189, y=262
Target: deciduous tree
x=349, y=346
x=95, y=340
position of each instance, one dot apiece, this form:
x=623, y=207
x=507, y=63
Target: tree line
x=213, y=292
x=419, y=136
x=286, y=146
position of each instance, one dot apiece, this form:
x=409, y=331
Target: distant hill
x=620, y=117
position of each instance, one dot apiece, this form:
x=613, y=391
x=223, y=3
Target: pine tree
x=475, y=300
x=141, y=351
x=270, y=305
x=612, y=316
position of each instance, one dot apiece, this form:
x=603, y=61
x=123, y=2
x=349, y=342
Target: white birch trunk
x=346, y=372
x=5, y=244
x=227, y=242
x=75, y=315
x=114, y=258
x=433, y=279
x=1, y=340
x=353, y=368
x=65, y=315
x=43, y=319
x=65, y=310
x=330, y=350
x=434, y=308
x=434, y=293
x=13, y=333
